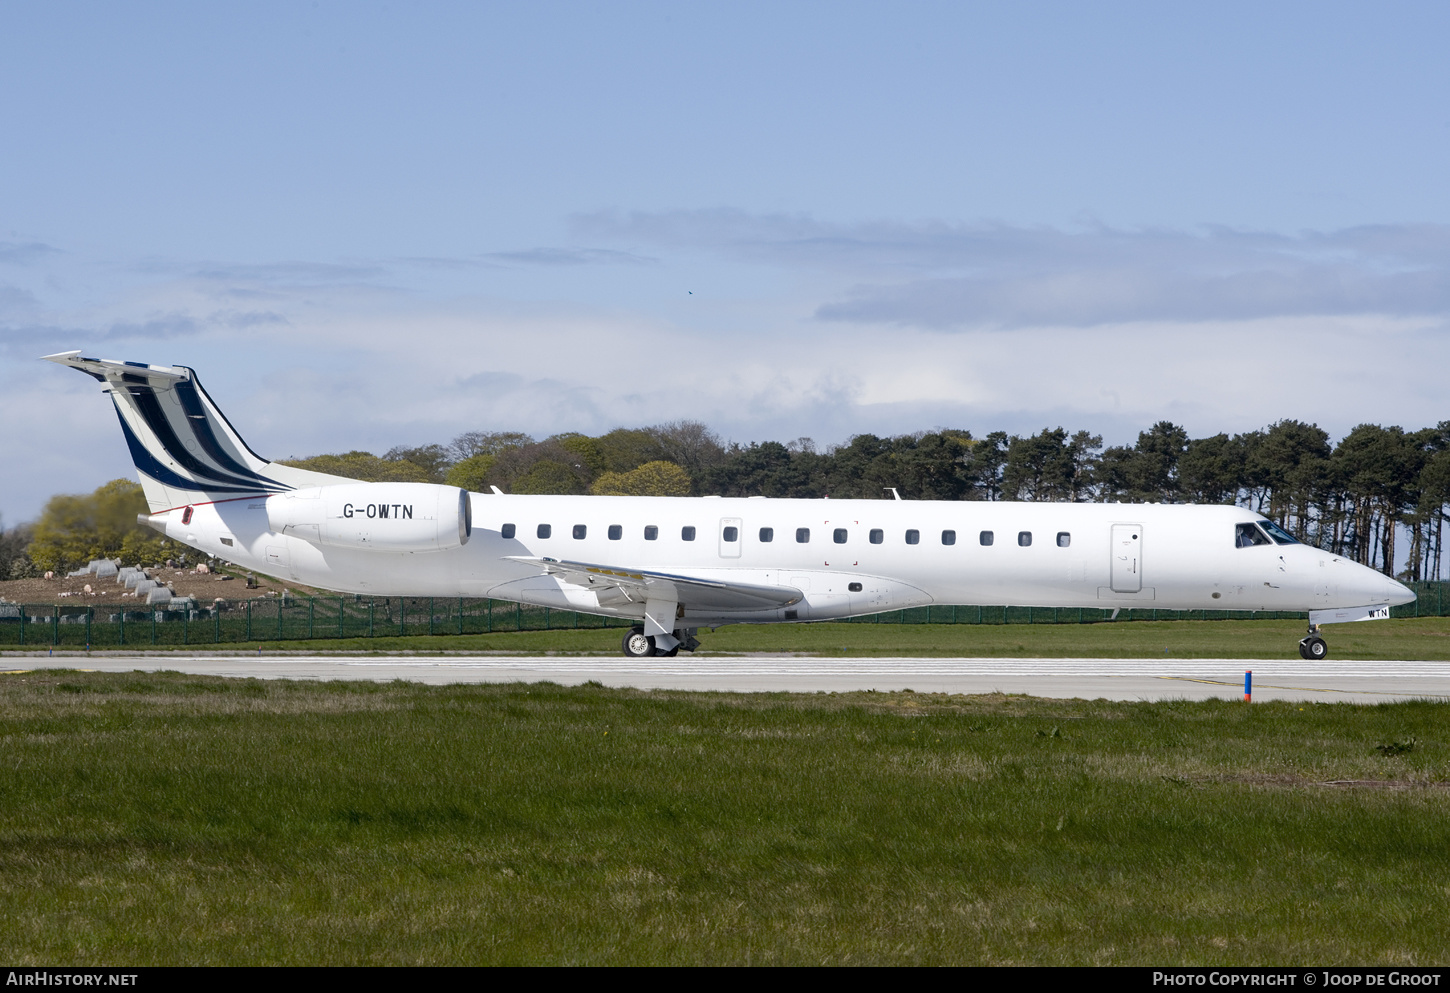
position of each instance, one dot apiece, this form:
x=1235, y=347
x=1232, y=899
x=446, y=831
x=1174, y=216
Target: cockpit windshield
x=1279, y=535
x=1247, y=536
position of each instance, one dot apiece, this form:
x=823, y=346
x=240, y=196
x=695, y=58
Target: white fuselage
x=1078, y=555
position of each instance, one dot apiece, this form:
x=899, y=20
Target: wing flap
x=619, y=585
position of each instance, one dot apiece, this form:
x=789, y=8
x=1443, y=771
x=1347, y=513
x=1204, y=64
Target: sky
x=379, y=224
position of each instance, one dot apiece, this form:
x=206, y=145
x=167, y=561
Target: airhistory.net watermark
x=46, y=977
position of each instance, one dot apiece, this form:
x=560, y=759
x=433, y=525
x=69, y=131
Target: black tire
x=1313, y=649
x=637, y=644
x=668, y=655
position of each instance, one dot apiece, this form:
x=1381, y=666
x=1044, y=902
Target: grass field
x=1409, y=638
x=161, y=818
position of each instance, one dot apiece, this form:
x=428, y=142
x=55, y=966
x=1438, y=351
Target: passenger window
x=985, y=537
x=839, y=536
x=767, y=534
x=580, y=530
x=1063, y=539
x=651, y=532
x=1246, y=536
x=853, y=587
x=877, y=536
x=687, y=533
x=1024, y=538
x=545, y=530
x=948, y=537
x=802, y=535
x=731, y=534
x=913, y=536
x=616, y=531
x=507, y=530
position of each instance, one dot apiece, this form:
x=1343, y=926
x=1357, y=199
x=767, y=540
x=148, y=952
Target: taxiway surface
x=1113, y=679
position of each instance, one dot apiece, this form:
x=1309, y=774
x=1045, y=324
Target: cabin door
x=1127, y=558
x=730, y=528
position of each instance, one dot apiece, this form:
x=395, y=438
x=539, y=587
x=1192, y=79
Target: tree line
x=1358, y=497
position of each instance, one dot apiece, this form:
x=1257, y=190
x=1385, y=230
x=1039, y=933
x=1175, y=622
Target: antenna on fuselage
x=892, y=491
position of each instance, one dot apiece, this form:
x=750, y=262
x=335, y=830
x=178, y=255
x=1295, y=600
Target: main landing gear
x=1313, y=647
x=638, y=645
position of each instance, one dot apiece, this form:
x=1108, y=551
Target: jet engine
x=386, y=517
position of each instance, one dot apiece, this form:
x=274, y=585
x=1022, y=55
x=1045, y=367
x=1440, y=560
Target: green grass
x=1410, y=638
x=1418, y=638
x=166, y=818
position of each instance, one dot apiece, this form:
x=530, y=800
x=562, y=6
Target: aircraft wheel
x=670, y=654
x=1313, y=648
x=637, y=644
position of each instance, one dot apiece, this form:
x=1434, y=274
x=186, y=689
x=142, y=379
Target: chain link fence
x=333, y=617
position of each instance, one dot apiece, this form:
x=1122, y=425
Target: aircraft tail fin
x=184, y=448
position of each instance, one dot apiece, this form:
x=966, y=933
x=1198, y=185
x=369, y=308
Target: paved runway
x=1114, y=679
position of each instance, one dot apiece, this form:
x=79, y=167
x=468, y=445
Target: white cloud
x=954, y=276
x=569, y=256
x=15, y=301
x=1091, y=297
x=24, y=252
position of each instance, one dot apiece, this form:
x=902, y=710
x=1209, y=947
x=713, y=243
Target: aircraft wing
x=639, y=585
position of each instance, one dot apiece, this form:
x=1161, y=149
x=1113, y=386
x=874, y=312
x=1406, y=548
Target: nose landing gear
x=1313, y=648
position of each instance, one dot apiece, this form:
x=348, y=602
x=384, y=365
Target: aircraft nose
x=1375, y=587
x=1398, y=592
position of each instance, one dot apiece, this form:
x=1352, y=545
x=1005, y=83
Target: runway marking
x=1276, y=686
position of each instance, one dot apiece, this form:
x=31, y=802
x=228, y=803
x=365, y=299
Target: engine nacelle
x=385, y=517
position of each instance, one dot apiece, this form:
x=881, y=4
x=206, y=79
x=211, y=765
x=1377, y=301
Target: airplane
x=678, y=564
